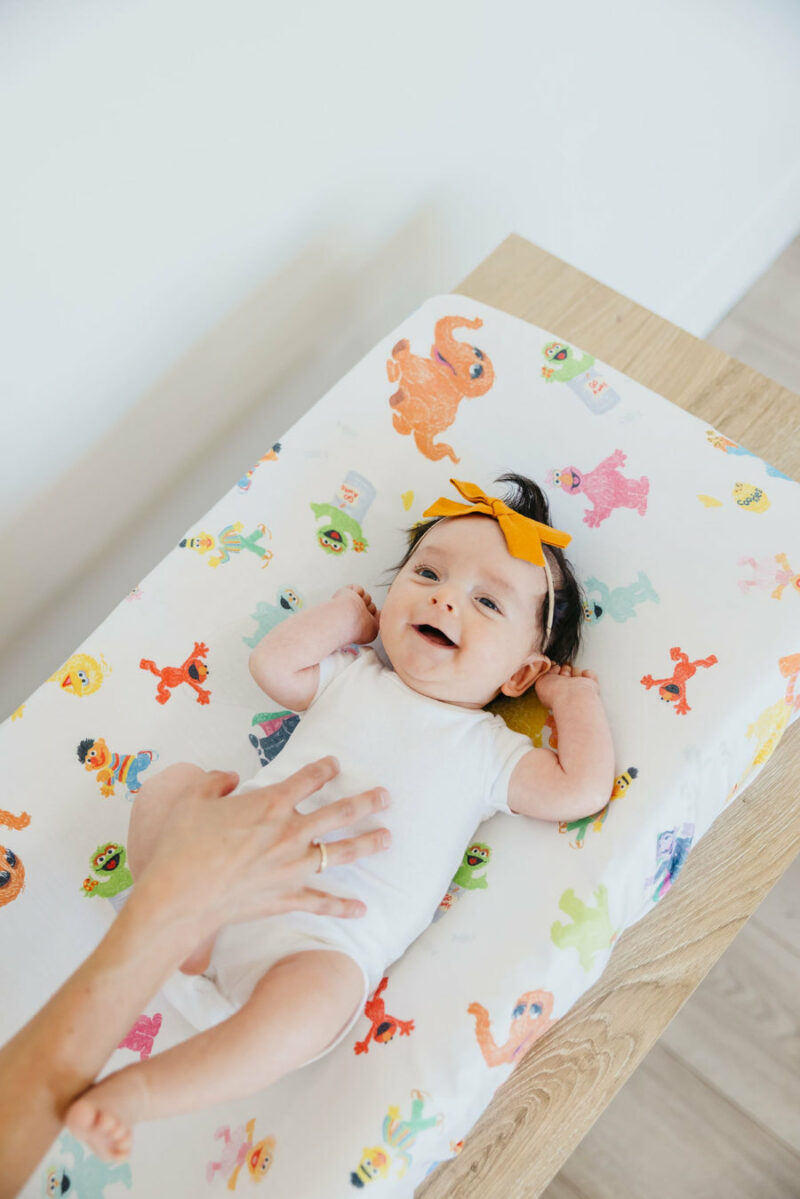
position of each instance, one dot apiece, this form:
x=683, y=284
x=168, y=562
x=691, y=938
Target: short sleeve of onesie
x=506, y=749
x=333, y=665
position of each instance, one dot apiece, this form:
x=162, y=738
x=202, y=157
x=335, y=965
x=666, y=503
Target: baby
x=474, y=605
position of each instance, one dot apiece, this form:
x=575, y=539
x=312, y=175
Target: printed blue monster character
x=672, y=850
x=87, y=1177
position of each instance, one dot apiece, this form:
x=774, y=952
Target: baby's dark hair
x=568, y=616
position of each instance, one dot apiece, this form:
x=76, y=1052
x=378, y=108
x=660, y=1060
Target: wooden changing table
x=540, y=1114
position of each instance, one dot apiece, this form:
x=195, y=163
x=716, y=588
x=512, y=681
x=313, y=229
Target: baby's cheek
x=491, y=659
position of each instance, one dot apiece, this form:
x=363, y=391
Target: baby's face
x=462, y=580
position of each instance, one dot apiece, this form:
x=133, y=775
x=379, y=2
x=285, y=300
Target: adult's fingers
x=322, y=902
x=217, y=783
x=345, y=812
x=348, y=850
x=307, y=779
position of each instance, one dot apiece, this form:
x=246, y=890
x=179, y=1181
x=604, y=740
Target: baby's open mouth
x=432, y=634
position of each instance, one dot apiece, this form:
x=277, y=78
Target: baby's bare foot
x=104, y=1115
x=105, y=1135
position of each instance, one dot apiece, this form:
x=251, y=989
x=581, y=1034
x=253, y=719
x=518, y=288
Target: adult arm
x=60, y=1052
x=259, y=853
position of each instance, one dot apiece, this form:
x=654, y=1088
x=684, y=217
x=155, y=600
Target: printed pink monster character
x=604, y=486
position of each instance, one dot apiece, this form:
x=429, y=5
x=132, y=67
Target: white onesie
x=446, y=769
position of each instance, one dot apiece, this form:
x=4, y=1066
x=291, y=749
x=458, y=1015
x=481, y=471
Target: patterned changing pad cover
x=686, y=546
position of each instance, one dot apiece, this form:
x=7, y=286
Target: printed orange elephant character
x=426, y=402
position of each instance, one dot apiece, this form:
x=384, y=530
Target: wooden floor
x=713, y=1112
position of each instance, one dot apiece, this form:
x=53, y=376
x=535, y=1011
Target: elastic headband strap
x=550, y=602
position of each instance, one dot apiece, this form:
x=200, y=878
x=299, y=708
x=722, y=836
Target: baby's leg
x=150, y=808
x=295, y=1011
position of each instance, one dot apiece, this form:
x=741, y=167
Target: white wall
x=210, y=211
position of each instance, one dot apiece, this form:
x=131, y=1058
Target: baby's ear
x=524, y=678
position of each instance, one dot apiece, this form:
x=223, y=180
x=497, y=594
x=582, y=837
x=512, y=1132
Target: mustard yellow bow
x=523, y=535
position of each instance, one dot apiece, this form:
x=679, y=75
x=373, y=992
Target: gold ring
x=323, y=861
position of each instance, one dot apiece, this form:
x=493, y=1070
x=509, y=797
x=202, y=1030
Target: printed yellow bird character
x=80, y=674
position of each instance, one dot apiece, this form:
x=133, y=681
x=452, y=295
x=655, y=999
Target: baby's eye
x=426, y=569
x=488, y=601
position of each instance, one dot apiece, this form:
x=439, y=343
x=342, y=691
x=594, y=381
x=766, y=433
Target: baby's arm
x=285, y=663
x=579, y=780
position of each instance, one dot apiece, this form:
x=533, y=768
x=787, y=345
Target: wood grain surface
x=541, y=1113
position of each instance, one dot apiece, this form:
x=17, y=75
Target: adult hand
x=220, y=859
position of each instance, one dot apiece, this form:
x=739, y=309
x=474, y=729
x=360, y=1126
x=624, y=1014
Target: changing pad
x=686, y=547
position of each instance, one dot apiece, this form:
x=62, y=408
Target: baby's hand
x=366, y=618
x=550, y=686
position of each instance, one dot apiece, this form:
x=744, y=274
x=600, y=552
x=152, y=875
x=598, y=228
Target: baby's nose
x=443, y=601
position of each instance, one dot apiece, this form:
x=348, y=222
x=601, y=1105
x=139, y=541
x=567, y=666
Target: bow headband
x=524, y=536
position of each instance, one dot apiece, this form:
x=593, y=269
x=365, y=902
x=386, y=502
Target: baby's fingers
x=365, y=595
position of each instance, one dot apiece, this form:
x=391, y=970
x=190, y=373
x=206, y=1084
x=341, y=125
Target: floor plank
x=761, y=329
x=739, y=1031
x=780, y=911
x=561, y=1188
x=669, y=1132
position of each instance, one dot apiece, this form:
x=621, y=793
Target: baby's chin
x=434, y=683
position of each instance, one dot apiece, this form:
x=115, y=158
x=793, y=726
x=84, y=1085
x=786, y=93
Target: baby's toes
x=121, y=1144
x=113, y=1130
x=114, y=1137
x=104, y=1133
